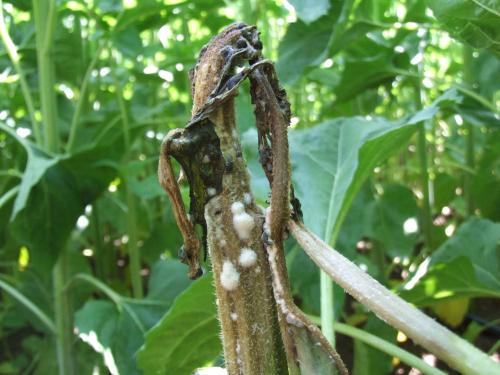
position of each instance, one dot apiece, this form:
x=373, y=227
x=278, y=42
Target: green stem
x=387, y=347
x=424, y=182
x=45, y=19
x=327, y=297
x=99, y=253
x=44, y=11
x=326, y=285
x=29, y=305
x=11, y=49
x=63, y=315
x=75, y=121
x=423, y=163
x=133, y=250
x=384, y=346
x=469, y=151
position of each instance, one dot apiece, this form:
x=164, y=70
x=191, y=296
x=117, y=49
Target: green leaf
x=53, y=193
x=368, y=360
x=310, y=10
x=476, y=22
x=147, y=188
x=304, y=45
x=120, y=325
x=332, y=160
x=360, y=75
x=186, y=337
x=467, y=265
x=396, y=205
x=168, y=278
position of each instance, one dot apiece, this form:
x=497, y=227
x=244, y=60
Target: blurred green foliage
x=363, y=78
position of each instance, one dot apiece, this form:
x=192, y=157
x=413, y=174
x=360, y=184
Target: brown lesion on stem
x=167, y=180
x=261, y=326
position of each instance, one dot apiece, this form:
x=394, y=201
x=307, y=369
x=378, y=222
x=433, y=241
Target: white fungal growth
x=234, y=317
x=267, y=220
x=247, y=258
x=206, y=159
x=237, y=208
x=211, y=191
x=243, y=224
x=229, y=277
x=247, y=198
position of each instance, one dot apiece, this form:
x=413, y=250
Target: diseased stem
x=393, y=310
x=248, y=314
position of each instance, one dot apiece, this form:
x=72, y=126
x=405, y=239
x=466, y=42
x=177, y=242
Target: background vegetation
x=395, y=149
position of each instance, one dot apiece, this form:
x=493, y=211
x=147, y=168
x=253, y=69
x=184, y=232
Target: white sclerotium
x=229, y=277
x=247, y=258
x=247, y=198
x=206, y=159
x=243, y=223
x=234, y=317
x=211, y=191
x=237, y=208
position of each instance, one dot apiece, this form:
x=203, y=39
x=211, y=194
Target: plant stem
x=16, y=62
x=469, y=136
x=326, y=286
x=45, y=19
x=75, y=121
x=29, y=305
x=44, y=30
x=422, y=157
x=63, y=315
x=387, y=347
x=384, y=346
x=393, y=310
x=133, y=250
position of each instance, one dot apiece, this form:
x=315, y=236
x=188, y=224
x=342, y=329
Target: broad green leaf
x=360, y=75
x=476, y=23
x=120, y=328
x=392, y=209
x=186, y=337
x=310, y=10
x=304, y=45
x=168, y=278
x=485, y=191
x=147, y=188
x=332, y=160
x=54, y=191
x=467, y=265
x=444, y=190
